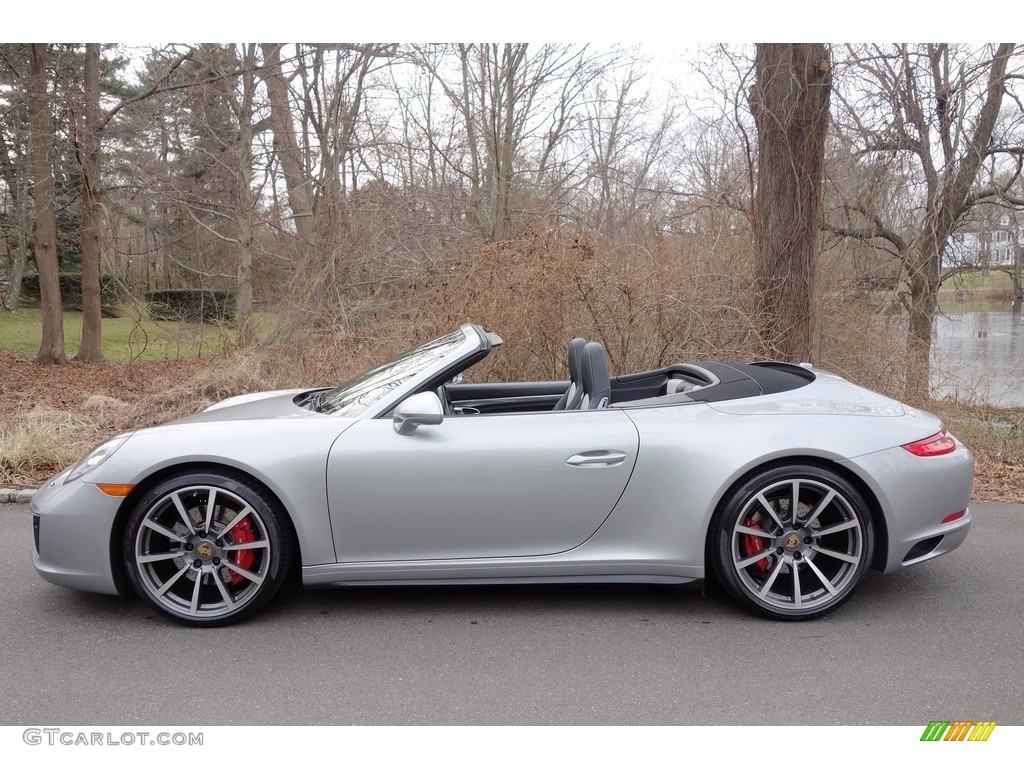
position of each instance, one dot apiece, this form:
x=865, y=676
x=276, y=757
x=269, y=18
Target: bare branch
x=159, y=86
x=210, y=229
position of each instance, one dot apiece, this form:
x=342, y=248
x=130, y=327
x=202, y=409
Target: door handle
x=596, y=459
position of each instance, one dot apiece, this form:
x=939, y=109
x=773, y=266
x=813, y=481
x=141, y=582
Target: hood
x=278, y=404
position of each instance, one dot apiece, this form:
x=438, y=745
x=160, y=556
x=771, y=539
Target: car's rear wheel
x=206, y=549
x=792, y=542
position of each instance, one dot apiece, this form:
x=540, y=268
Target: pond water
x=979, y=356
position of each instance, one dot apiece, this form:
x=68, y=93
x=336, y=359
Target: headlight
x=94, y=459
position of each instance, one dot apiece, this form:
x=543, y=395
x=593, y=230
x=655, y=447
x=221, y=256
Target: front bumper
x=73, y=535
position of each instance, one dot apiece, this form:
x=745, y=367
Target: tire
x=207, y=549
x=792, y=566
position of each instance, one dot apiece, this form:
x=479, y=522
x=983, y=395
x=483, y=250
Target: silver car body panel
x=478, y=486
x=658, y=527
x=915, y=495
x=75, y=521
x=619, y=494
x=290, y=461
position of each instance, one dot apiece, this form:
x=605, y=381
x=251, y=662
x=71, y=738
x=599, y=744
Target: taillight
x=938, y=444
x=954, y=516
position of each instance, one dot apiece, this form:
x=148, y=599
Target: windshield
x=355, y=396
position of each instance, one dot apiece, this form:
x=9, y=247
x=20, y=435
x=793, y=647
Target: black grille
x=35, y=531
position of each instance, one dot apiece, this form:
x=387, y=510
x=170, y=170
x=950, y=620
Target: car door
x=477, y=486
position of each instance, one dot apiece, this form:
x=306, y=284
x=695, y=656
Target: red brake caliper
x=243, y=558
x=751, y=545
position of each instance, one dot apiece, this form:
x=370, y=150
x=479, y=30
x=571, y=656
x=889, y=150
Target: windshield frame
x=392, y=389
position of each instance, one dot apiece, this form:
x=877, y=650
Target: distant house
x=990, y=244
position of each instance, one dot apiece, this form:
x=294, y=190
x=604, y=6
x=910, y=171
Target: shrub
x=111, y=292
x=685, y=297
x=192, y=304
x=676, y=300
x=41, y=442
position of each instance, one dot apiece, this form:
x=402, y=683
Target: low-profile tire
x=792, y=542
x=207, y=549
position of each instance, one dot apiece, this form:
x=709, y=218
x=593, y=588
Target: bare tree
x=17, y=222
x=245, y=199
x=934, y=110
x=91, y=122
x=790, y=104
x=628, y=138
x=316, y=104
x=51, y=350
x=297, y=179
x=715, y=185
x=89, y=129
x=225, y=121
x=517, y=107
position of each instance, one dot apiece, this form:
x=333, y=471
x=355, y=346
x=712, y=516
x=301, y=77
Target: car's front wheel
x=206, y=549
x=792, y=542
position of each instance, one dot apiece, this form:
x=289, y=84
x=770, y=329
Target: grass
x=976, y=292
x=41, y=442
x=981, y=305
x=124, y=338
x=992, y=280
x=996, y=434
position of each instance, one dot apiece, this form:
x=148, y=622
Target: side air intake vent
x=922, y=548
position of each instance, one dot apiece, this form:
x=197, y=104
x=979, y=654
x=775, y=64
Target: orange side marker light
x=115, y=489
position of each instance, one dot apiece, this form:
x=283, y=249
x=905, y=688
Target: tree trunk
x=506, y=95
x=476, y=173
x=300, y=198
x=243, y=293
x=19, y=258
x=1018, y=290
x=790, y=104
x=15, y=181
x=89, y=158
x=16, y=274
x=51, y=350
x=245, y=203
x=923, y=269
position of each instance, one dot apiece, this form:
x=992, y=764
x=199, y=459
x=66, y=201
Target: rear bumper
x=915, y=495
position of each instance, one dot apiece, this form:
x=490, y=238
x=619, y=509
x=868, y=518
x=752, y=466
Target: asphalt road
x=943, y=640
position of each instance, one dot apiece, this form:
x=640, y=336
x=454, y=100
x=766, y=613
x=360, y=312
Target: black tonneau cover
x=750, y=380
x=735, y=381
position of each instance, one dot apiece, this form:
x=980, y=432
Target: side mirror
x=423, y=409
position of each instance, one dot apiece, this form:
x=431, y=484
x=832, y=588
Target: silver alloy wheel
x=202, y=552
x=792, y=541
x=798, y=545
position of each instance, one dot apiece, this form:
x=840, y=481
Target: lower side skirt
x=429, y=582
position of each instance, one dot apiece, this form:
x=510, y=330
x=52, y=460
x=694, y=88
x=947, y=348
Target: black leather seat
x=572, y=396
x=597, y=382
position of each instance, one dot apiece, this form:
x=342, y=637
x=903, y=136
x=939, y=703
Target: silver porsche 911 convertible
x=784, y=483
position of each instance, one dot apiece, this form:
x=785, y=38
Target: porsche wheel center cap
x=792, y=541
x=205, y=550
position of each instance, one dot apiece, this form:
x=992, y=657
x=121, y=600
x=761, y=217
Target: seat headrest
x=597, y=383
x=575, y=356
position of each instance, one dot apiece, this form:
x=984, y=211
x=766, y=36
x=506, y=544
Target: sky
x=660, y=22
